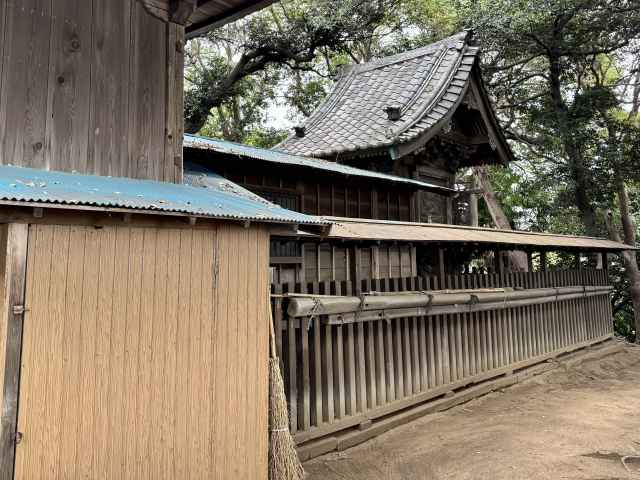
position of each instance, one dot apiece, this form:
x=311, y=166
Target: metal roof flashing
x=356, y=229
x=217, y=198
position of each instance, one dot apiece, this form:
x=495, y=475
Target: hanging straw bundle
x=283, y=458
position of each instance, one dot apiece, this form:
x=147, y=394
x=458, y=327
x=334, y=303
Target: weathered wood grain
x=14, y=249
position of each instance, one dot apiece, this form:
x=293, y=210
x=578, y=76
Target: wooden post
x=605, y=261
x=355, y=268
x=441, y=270
x=15, y=272
x=529, y=262
x=543, y=261
x=578, y=261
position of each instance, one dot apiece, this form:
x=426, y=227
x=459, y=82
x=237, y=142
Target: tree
x=291, y=35
x=539, y=57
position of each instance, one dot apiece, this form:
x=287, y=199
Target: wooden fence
x=343, y=376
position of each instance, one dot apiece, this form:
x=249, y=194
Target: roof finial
x=300, y=130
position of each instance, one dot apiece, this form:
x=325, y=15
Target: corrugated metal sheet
x=218, y=199
x=358, y=229
x=275, y=156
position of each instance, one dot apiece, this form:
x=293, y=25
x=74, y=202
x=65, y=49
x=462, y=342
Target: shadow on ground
x=581, y=422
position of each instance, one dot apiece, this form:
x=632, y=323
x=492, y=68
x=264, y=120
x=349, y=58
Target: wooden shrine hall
x=398, y=307
x=135, y=273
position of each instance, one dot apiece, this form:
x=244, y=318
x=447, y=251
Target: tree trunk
x=518, y=260
x=629, y=257
x=579, y=172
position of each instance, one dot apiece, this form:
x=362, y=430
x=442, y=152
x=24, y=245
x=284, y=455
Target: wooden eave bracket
x=181, y=10
x=174, y=11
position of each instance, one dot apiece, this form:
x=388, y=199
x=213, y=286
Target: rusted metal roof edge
x=385, y=230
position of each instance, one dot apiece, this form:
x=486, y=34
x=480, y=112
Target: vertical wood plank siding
x=145, y=354
x=92, y=86
x=387, y=366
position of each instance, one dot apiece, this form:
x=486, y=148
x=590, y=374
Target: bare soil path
x=580, y=422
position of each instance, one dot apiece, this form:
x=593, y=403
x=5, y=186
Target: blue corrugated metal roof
x=215, y=198
x=275, y=156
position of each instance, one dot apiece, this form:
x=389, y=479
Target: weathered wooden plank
x=317, y=403
x=339, y=364
x=351, y=367
x=147, y=115
x=69, y=86
x=108, y=125
x=14, y=249
x=327, y=366
x=306, y=372
x=23, y=98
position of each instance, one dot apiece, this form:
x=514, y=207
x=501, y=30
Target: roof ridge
x=424, y=111
x=458, y=41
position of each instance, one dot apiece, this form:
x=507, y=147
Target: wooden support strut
x=15, y=273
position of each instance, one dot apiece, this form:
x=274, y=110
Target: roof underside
x=215, y=13
x=282, y=158
x=207, y=195
x=427, y=85
x=380, y=230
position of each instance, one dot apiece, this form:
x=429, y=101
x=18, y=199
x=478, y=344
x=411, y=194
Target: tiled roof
x=274, y=156
x=427, y=84
x=207, y=195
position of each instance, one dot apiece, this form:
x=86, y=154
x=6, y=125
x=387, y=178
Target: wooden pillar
x=355, y=269
x=15, y=252
x=473, y=210
x=449, y=203
x=441, y=270
x=529, y=262
x=543, y=261
x=496, y=261
x=605, y=261
x=578, y=262
x=500, y=256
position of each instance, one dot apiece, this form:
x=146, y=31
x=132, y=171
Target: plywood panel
x=159, y=340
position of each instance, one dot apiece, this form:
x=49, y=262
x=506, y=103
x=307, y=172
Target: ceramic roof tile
x=426, y=84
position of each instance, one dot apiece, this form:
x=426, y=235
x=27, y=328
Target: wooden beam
x=181, y=10
x=15, y=252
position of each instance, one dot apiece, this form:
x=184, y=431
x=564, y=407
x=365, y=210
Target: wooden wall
x=145, y=354
x=314, y=192
x=91, y=85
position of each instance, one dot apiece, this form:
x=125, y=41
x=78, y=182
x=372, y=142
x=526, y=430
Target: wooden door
x=144, y=354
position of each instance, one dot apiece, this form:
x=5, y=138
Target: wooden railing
x=341, y=376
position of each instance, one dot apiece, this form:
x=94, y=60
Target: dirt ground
x=581, y=422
